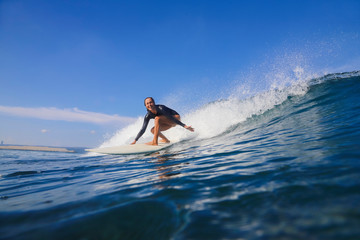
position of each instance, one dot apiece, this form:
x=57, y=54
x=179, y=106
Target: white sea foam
x=216, y=117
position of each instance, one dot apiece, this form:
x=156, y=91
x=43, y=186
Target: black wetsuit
x=160, y=111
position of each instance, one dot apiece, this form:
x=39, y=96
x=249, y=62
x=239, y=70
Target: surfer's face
x=149, y=104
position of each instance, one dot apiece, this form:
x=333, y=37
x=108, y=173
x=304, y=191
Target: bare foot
x=164, y=141
x=151, y=143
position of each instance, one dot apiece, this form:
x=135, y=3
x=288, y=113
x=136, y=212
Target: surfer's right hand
x=133, y=142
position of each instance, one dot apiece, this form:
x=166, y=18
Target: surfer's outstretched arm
x=143, y=128
x=171, y=115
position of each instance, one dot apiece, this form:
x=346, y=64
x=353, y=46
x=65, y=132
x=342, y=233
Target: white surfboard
x=130, y=149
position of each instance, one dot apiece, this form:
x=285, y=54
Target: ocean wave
x=217, y=117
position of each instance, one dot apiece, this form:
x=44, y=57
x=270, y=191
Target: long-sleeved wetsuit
x=160, y=110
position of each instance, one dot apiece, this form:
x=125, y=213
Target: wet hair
x=150, y=98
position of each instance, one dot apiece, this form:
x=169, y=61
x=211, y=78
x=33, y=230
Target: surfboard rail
x=129, y=149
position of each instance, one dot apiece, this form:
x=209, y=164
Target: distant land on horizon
x=34, y=148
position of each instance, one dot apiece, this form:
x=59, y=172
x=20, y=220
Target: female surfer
x=165, y=118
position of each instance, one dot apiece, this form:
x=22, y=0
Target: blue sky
x=72, y=72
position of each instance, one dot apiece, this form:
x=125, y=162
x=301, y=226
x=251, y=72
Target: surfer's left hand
x=189, y=128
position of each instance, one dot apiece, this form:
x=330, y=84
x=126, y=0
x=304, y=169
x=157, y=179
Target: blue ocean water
x=281, y=164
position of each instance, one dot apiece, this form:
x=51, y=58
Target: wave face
x=283, y=163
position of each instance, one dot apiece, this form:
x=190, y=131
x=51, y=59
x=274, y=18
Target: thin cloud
x=67, y=114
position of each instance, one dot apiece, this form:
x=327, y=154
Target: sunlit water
x=282, y=164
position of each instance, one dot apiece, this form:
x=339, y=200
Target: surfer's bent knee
x=178, y=118
x=162, y=120
x=157, y=119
